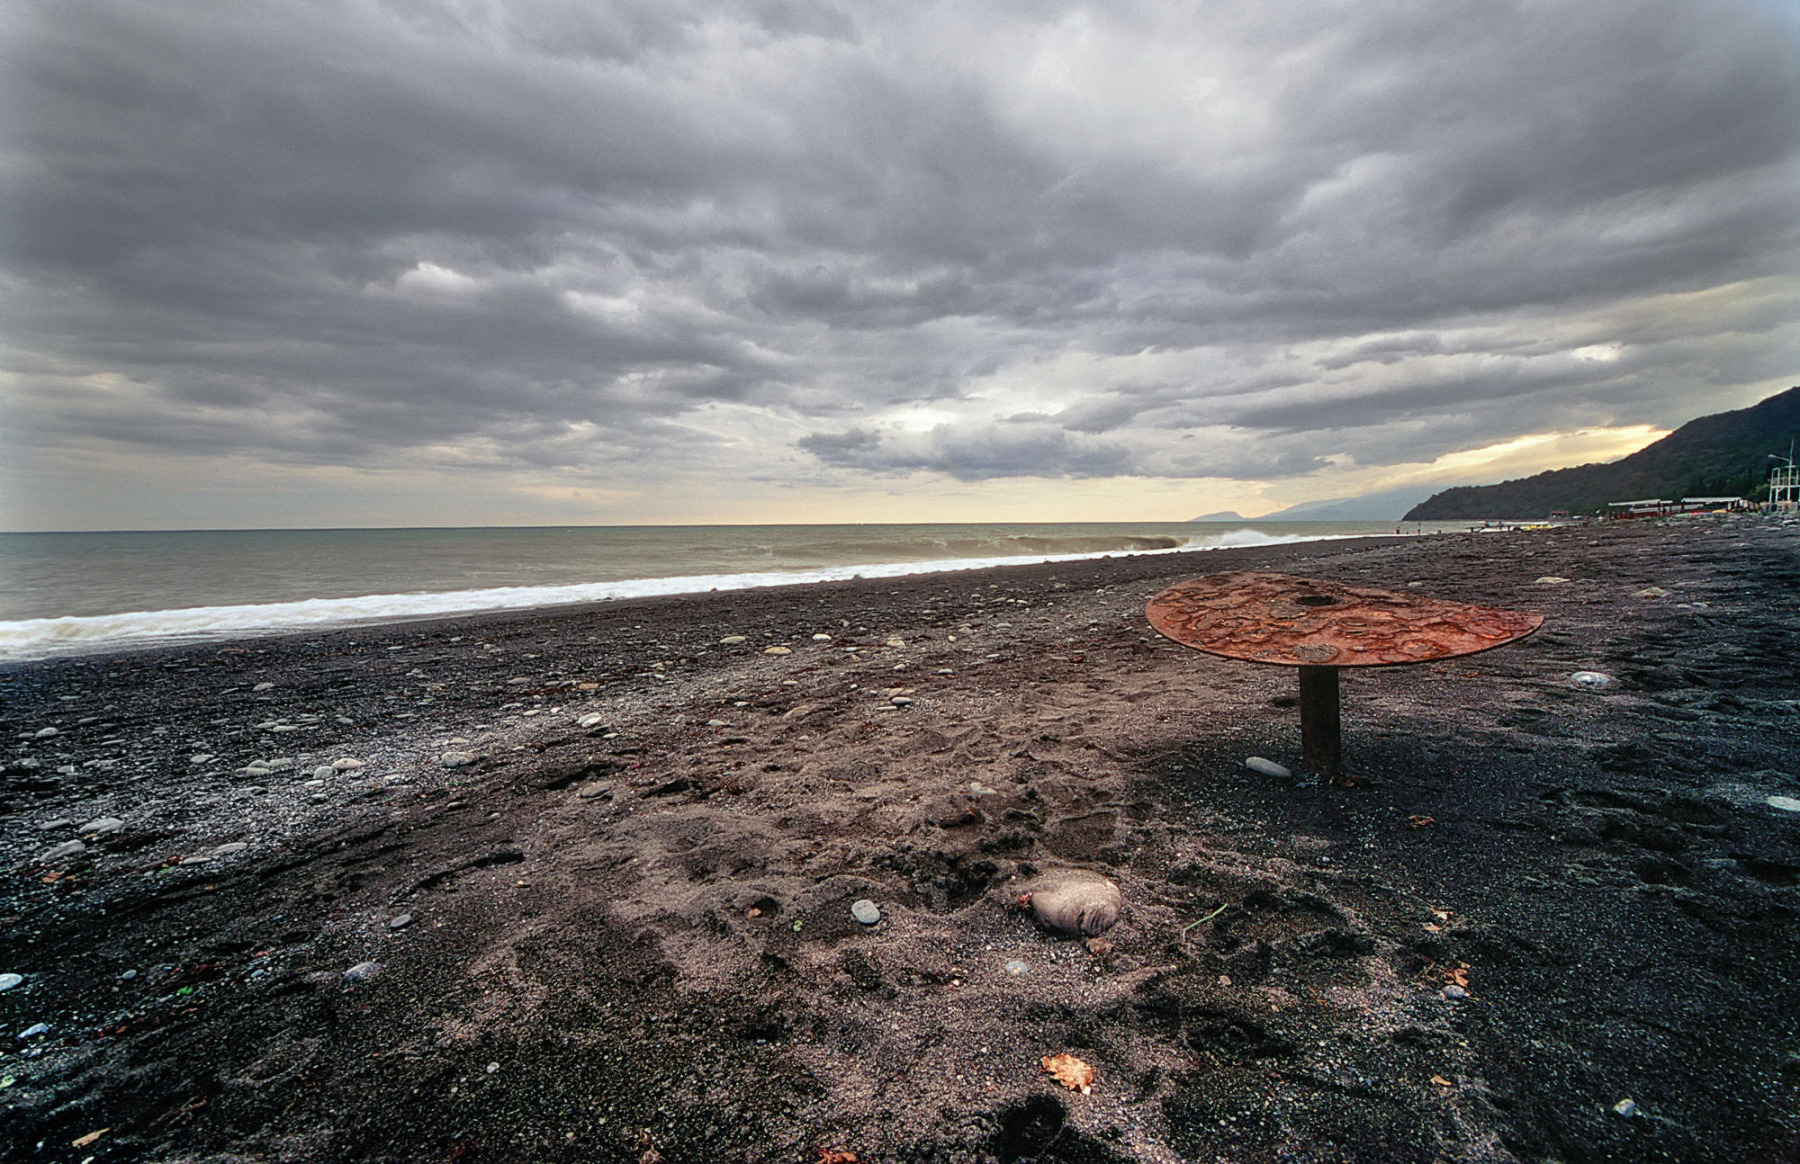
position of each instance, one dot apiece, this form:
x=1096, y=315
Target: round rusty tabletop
x=1307, y=622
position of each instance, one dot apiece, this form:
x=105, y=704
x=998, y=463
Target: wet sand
x=595, y=867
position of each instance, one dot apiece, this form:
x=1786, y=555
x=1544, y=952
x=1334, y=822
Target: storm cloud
x=827, y=244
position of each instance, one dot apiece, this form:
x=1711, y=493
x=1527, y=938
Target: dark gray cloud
x=977, y=240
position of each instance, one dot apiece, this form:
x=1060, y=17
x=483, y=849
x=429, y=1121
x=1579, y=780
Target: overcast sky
x=532, y=261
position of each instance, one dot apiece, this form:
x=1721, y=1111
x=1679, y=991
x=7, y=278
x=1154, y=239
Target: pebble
x=362, y=972
x=1075, y=901
x=596, y=792
x=1627, y=1107
x=202, y=758
x=821, y=638
x=8, y=981
x=1455, y=993
x=778, y=650
x=34, y=1030
x=313, y=784
x=717, y=723
x=896, y=641
x=1591, y=679
x=733, y=640
x=61, y=822
x=1784, y=803
x=1650, y=592
x=66, y=849
x=401, y=922
x=1551, y=580
x=229, y=848
x=456, y=759
x=865, y=911
x=101, y=826
x=901, y=701
x=492, y=1068
x=322, y=771
x=347, y=764
x=1267, y=768
x=591, y=720
x=263, y=687
x=979, y=789
x=1017, y=968
x=44, y=733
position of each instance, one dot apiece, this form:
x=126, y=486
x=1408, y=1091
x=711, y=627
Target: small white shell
x=1075, y=902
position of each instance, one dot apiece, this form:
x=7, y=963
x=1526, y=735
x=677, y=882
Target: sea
x=90, y=593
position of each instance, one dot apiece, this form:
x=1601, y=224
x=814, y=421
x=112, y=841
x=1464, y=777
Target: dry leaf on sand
x=1069, y=1071
x=832, y=1156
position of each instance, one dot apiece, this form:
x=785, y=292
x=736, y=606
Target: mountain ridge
x=1718, y=455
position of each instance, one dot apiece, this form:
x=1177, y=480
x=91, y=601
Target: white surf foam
x=40, y=638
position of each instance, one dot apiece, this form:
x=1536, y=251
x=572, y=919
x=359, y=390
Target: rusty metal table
x=1319, y=627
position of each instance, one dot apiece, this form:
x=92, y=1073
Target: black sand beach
x=595, y=866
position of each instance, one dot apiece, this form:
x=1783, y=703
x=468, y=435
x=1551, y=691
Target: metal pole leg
x=1320, y=741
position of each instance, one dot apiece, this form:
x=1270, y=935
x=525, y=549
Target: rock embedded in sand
x=44, y=733
x=733, y=640
x=66, y=849
x=347, y=764
x=865, y=911
x=1267, y=767
x=1074, y=901
x=456, y=759
x=61, y=822
x=1591, y=679
x=101, y=826
x=401, y=922
x=362, y=972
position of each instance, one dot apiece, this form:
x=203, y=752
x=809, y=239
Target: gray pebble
x=8, y=981
x=362, y=972
x=229, y=848
x=323, y=771
x=100, y=826
x=1627, y=1107
x=456, y=759
x=401, y=922
x=347, y=764
x=596, y=792
x=44, y=733
x=66, y=849
x=61, y=822
x=1455, y=993
x=1017, y=968
x=34, y=1030
x=1267, y=768
x=263, y=687
x=865, y=911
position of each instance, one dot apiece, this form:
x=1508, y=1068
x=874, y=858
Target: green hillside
x=1723, y=455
